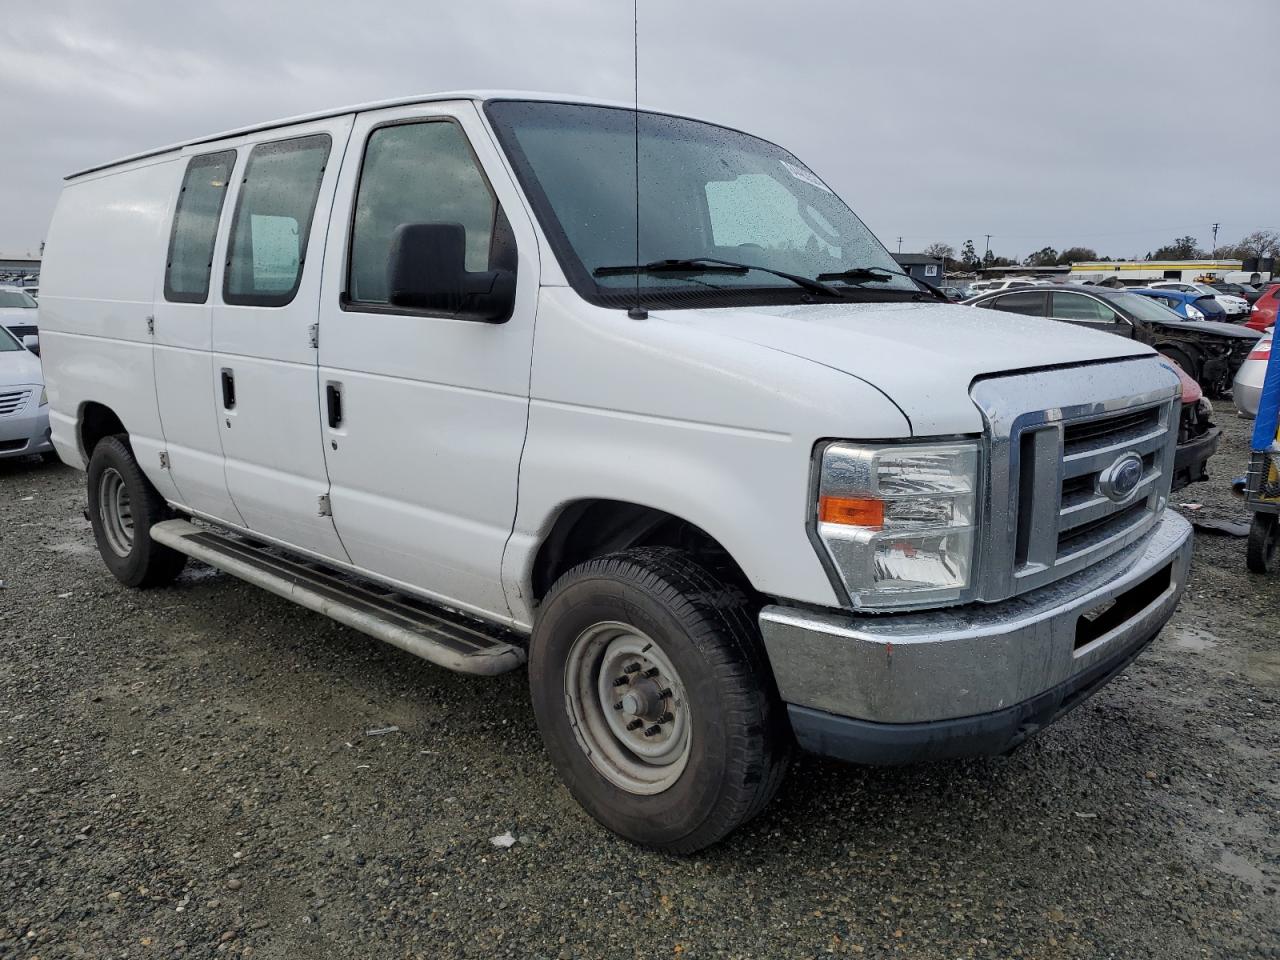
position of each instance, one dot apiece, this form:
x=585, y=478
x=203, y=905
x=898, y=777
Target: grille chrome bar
x=1079, y=464
x=11, y=403
x=1046, y=512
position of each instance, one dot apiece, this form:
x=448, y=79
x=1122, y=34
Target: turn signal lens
x=852, y=511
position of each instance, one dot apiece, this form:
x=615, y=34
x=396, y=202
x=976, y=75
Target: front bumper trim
x=990, y=734
x=961, y=663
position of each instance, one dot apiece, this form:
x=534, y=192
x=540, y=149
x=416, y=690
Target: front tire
x=654, y=697
x=1264, y=536
x=1189, y=366
x=123, y=507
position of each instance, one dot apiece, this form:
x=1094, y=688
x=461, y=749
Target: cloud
x=1116, y=126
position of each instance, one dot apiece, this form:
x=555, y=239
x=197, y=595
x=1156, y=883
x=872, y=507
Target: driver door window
x=1077, y=308
x=417, y=173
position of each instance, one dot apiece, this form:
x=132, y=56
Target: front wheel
x=654, y=697
x=123, y=506
x=1264, y=536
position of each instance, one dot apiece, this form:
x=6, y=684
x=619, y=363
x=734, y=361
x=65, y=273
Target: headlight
x=44, y=396
x=1193, y=313
x=898, y=521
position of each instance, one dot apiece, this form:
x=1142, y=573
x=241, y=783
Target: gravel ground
x=195, y=772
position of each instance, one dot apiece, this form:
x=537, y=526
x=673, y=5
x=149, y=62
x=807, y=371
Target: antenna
x=636, y=312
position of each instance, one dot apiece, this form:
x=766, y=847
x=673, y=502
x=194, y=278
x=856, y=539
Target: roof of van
x=478, y=95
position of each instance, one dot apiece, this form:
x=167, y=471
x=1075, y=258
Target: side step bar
x=444, y=637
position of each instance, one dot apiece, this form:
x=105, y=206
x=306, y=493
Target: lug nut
x=664, y=693
x=621, y=681
x=652, y=731
x=651, y=672
x=631, y=668
x=666, y=718
x=635, y=724
x=618, y=705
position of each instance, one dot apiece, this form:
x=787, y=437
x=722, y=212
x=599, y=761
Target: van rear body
x=724, y=478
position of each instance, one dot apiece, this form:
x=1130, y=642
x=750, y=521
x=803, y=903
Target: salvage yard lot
x=207, y=770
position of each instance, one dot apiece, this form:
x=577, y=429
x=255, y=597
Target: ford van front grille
x=1072, y=481
x=12, y=402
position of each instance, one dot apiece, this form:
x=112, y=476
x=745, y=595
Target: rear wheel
x=655, y=700
x=123, y=506
x=1264, y=536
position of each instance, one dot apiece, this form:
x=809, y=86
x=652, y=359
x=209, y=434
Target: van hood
x=19, y=367
x=922, y=356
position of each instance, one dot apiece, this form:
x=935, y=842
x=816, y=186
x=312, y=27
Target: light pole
x=1215, y=241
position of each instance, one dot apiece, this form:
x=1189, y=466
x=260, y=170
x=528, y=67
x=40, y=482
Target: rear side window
x=416, y=173
x=1031, y=303
x=195, y=227
x=268, y=245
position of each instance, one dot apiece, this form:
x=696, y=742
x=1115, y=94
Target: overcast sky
x=1113, y=125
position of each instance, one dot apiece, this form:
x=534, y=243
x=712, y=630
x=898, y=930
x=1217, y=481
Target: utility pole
x=1215, y=241
x=899, y=244
x=988, y=250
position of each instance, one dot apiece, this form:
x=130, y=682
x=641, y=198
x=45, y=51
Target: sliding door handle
x=228, y=389
x=333, y=404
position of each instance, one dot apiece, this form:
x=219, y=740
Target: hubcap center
x=642, y=699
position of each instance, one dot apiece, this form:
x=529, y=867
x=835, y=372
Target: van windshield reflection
x=706, y=194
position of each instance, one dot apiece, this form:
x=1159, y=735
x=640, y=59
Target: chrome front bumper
x=932, y=681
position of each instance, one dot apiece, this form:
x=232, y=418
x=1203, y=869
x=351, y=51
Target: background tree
x=943, y=251
x=1077, y=255
x=1044, y=257
x=1260, y=243
x=969, y=257
x=1184, y=248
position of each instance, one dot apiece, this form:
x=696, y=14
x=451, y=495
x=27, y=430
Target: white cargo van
x=726, y=479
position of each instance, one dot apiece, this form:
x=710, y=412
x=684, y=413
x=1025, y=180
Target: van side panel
x=105, y=250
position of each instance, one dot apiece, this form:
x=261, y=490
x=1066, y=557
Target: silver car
x=24, y=408
x=1247, y=387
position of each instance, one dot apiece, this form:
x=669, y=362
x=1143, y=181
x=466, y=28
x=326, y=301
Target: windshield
x=16, y=298
x=705, y=192
x=8, y=341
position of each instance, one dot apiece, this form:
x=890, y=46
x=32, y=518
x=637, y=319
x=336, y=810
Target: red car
x=1263, y=314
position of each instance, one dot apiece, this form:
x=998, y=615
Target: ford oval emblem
x=1119, y=481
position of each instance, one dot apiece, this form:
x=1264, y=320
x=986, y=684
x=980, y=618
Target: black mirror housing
x=427, y=271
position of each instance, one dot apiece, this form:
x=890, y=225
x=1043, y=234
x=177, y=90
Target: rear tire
x=702, y=743
x=1264, y=536
x=123, y=507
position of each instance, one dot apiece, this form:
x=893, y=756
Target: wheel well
x=96, y=422
x=593, y=528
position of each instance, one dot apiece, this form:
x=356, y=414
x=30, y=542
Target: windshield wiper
x=713, y=265
x=860, y=275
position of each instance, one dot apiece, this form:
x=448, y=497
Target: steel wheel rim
x=116, y=512
x=616, y=675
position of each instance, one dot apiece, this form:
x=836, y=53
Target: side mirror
x=427, y=271
x=32, y=343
